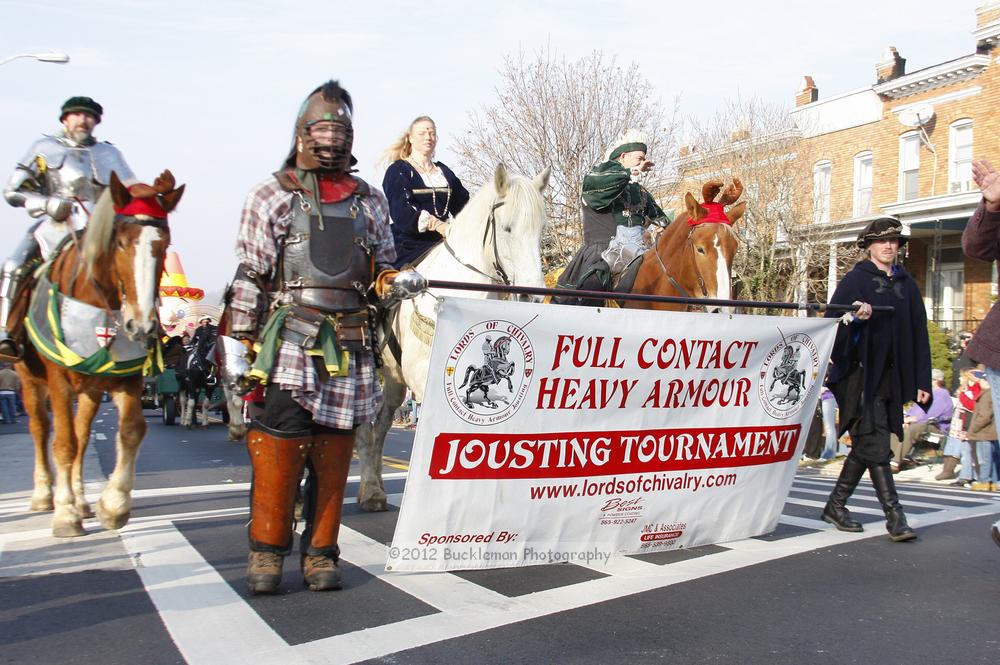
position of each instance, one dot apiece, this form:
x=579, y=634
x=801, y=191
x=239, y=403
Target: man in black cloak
x=880, y=360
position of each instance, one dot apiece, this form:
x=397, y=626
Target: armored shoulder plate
x=108, y=158
x=47, y=152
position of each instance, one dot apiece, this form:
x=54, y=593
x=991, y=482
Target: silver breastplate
x=81, y=172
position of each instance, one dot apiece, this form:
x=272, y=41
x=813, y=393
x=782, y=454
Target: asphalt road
x=168, y=588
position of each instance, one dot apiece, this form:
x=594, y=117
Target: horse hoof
x=42, y=505
x=85, y=510
x=112, y=522
x=375, y=505
x=68, y=530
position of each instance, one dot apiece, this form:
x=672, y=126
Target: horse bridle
x=77, y=236
x=491, y=225
x=674, y=282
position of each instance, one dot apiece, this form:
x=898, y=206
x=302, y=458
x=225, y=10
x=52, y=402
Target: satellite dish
x=916, y=116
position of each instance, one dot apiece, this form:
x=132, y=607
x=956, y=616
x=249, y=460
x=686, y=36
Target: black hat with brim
x=883, y=228
x=81, y=104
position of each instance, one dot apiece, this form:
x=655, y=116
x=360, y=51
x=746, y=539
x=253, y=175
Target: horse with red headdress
x=93, y=328
x=692, y=257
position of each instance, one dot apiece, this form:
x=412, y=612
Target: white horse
x=494, y=240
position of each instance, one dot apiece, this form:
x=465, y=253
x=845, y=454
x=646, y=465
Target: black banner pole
x=601, y=295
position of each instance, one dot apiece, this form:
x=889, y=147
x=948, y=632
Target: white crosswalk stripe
x=202, y=611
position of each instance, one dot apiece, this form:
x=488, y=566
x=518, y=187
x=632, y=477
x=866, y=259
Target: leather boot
x=264, y=571
x=836, y=512
x=277, y=459
x=885, y=489
x=329, y=464
x=948, y=469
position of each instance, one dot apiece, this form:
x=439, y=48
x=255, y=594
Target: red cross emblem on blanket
x=104, y=335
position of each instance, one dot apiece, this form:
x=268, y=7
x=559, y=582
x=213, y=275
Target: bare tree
x=553, y=112
x=787, y=240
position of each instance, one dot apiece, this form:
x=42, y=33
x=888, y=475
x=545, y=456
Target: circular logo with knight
x=488, y=372
x=789, y=370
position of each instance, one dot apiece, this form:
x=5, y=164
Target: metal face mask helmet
x=324, y=133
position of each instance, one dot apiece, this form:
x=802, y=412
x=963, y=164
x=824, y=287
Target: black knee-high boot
x=885, y=488
x=836, y=512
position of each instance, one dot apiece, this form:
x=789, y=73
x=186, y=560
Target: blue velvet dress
x=405, y=205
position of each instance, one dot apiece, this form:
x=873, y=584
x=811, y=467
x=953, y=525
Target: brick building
x=903, y=146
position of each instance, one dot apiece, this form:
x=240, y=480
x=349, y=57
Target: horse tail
x=468, y=370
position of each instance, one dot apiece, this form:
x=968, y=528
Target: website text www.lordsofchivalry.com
x=644, y=484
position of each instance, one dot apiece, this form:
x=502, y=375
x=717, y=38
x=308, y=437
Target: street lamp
x=47, y=56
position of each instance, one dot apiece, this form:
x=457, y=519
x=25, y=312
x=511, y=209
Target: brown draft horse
x=692, y=256
x=115, y=266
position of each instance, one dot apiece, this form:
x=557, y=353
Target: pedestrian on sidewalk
x=982, y=434
x=918, y=421
x=10, y=385
x=981, y=240
x=957, y=448
x=880, y=360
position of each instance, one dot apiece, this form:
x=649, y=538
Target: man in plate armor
x=312, y=239
x=58, y=182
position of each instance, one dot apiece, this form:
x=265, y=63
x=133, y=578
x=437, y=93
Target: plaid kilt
x=341, y=402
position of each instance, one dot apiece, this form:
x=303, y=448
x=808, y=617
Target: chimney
x=891, y=65
x=808, y=92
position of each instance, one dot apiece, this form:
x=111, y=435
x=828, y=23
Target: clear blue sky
x=210, y=89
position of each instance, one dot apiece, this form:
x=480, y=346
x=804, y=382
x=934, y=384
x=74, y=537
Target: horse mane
x=522, y=202
x=100, y=230
x=526, y=201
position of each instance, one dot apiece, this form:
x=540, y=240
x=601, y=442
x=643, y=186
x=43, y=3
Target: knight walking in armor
x=58, y=182
x=312, y=241
x=617, y=210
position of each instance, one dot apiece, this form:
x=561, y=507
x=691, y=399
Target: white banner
x=552, y=433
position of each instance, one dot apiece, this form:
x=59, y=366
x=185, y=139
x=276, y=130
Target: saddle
x=595, y=277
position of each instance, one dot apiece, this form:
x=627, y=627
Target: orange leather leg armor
x=330, y=462
x=278, y=459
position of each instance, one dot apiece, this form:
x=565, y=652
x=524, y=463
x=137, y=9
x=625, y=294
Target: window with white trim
x=909, y=166
x=821, y=192
x=960, y=157
x=863, y=183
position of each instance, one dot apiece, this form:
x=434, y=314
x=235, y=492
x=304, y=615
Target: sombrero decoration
x=173, y=282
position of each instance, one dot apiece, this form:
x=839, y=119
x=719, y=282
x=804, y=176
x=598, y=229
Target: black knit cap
x=883, y=228
x=84, y=104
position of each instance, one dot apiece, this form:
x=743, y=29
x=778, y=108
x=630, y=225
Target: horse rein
x=491, y=225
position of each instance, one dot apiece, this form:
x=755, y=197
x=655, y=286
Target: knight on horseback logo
x=789, y=371
x=488, y=372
